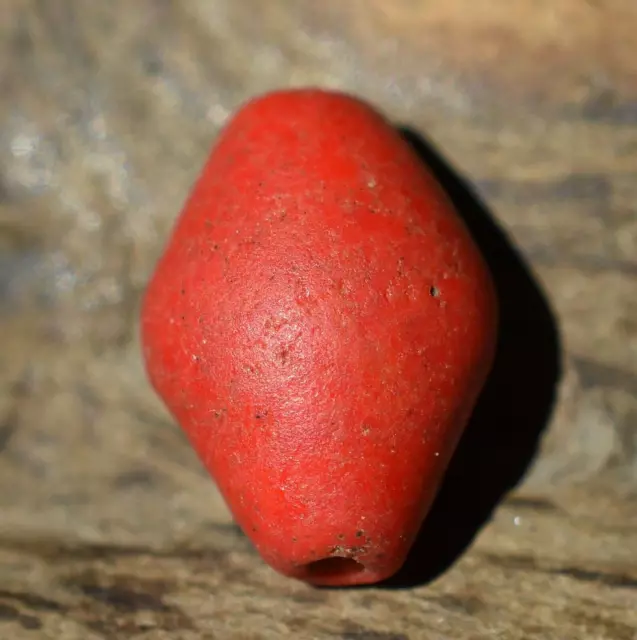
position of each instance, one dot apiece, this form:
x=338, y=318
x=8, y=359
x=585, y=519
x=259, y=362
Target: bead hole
x=331, y=568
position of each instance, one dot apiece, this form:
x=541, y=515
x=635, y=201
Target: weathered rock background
x=108, y=526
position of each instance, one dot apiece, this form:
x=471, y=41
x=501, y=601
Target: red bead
x=320, y=325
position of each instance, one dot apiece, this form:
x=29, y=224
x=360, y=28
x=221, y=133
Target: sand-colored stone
x=108, y=526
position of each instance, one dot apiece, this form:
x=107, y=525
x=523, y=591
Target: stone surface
x=109, y=527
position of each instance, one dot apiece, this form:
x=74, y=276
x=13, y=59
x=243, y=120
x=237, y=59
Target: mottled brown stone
x=108, y=526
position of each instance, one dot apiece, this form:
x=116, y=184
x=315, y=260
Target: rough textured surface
x=109, y=527
x=320, y=321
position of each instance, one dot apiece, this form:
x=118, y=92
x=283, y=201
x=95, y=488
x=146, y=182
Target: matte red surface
x=320, y=325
